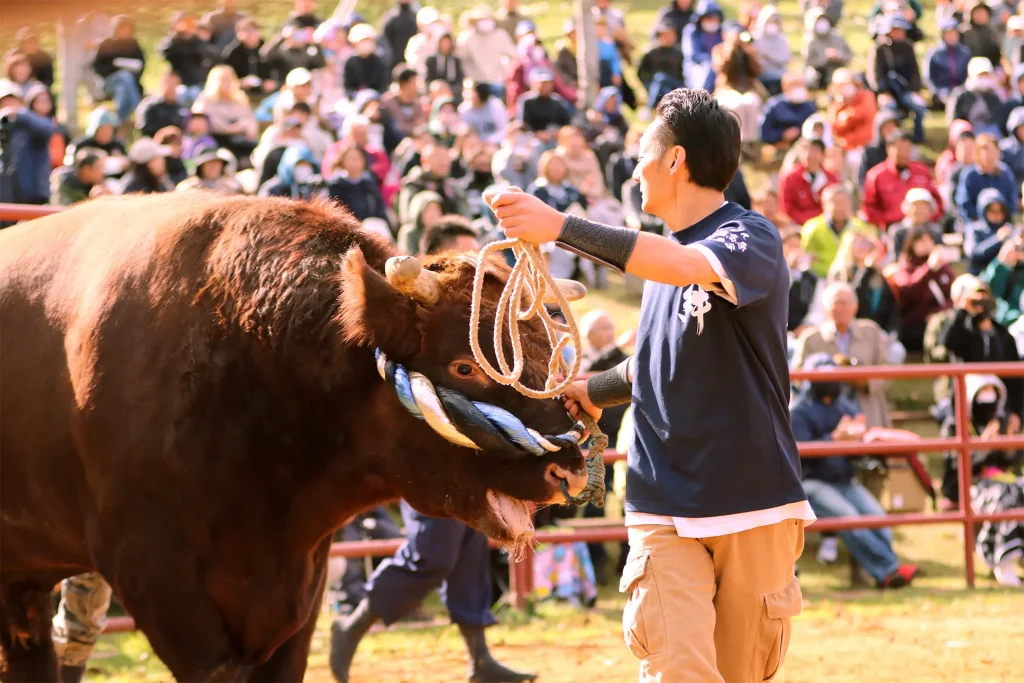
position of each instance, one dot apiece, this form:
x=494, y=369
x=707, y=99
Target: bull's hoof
x=490, y=671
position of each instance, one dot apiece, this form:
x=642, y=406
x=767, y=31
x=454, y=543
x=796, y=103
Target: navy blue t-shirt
x=711, y=383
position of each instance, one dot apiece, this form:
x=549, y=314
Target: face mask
x=485, y=25
x=822, y=27
x=848, y=90
x=537, y=53
x=365, y=48
x=984, y=83
x=771, y=29
x=711, y=26
x=303, y=174
x=797, y=95
x=987, y=395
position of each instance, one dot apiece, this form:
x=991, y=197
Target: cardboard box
x=902, y=491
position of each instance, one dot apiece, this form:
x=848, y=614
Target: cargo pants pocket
x=775, y=629
x=643, y=620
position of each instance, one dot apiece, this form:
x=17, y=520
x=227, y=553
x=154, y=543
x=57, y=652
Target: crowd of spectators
x=413, y=120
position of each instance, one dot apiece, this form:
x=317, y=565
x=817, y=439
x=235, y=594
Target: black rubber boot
x=482, y=666
x=345, y=636
x=71, y=674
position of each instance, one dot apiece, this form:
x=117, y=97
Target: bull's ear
x=373, y=313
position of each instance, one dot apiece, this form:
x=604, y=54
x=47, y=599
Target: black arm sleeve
x=611, y=387
x=602, y=244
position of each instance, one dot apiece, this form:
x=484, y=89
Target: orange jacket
x=853, y=123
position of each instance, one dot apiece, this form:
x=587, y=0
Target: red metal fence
x=521, y=572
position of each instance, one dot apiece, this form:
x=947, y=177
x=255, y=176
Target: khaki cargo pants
x=711, y=610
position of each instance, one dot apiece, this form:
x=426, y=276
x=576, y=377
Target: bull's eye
x=464, y=369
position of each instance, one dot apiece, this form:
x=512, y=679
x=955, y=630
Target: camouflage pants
x=81, y=617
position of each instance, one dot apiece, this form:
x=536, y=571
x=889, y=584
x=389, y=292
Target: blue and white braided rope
x=424, y=401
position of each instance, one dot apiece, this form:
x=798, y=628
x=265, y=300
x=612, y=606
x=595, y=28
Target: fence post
x=964, y=470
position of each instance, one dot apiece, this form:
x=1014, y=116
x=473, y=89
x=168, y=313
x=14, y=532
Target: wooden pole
x=69, y=69
x=587, y=61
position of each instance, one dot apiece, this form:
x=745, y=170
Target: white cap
x=144, y=150
x=1015, y=23
x=427, y=15
x=299, y=76
x=919, y=194
x=978, y=66
x=361, y=32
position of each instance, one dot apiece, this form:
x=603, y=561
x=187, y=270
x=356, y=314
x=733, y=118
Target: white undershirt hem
x=706, y=527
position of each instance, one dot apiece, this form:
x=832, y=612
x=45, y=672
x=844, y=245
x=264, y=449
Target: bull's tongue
x=512, y=512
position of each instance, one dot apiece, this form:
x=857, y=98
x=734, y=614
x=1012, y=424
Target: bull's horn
x=406, y=274
x=571, y=290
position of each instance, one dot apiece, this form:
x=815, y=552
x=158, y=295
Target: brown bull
x=190, y=406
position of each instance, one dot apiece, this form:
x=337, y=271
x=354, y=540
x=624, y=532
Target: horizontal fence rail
x=521, y=572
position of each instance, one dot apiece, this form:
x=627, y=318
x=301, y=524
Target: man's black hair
x=86, y=160
x=442, y=235
x=403, y=73
x=815, y=142
x=300, y=108
x=710, y=134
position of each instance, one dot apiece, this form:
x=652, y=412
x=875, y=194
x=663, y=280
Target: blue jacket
x=30, y=154
x=981, y=244
x=779, y=114
x=1013, y=100
x=815, y=421
x=973, y=181
x=946, y=68
x=283, y=184
x=1012, y=147
x=697, y=46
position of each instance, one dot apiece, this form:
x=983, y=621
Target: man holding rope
x=714, y=503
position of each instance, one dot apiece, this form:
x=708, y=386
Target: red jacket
x=920, y=291
x=885, y=188
x=796, y=197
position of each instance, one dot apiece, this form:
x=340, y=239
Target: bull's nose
x=556, y=474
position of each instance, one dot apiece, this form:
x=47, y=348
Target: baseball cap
x=144, y=150
x=299, y=76
x=361, y=32
x=541, y=75
x=978, y=66
x=919, y=194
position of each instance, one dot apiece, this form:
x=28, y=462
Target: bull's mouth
x=512, y=515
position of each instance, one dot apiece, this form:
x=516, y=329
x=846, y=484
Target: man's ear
x=375, y=314
x=678, y=156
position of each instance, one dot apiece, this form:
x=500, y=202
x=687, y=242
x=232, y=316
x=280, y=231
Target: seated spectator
x=196, y=134
x=531, y=57
x=120, y=62
x=328, y=81
x=1005, y=277
x=430, y=25
x=72, y=184
x=820, y=413
x=851, y=114
x=303, y=15
x=824, y=50
x=661, y=68
x=609, y=62
x=910, y=12
x=382, y=129
x=210, y=171
x=486, y=50
x=479, y=177
x=554, y=189
x=356, y=129
x=821, y=235
x=403, y=102
x=934, y=334
x=161, y=109
x=978, y=101
x=772, y=48
x=766, y=202
x=806, y=302
x=147, y=173
x=188, y=55
x=276, y=140
x=293, y=48
x=886, y=123
x=434, y=174
x=39, y=102
x=425, y=210
x=1014, y=99
x=894, y=75
x=444, y=65
x=231, y=118
x=699, y=36
x=244, y=54
x=100, y=133
x=18, y=76
x=918, y=212
x=171, y=138
x=27, y=43
x=988, y=172
x=541, y=109
x=980, y=37
x=947, y=159
x=297, y=176
x=621, y=165
x=984, y=236
x=921, y=279
x=1011, y=147
x=784, y=114
x=946, y=64
x=223, y=23
x=582, y=168
x=677, y=13
x=365, y=69
x=606, y=116
x=997, y=486
x=444, y=121
x=1013, y=44
x=887, y=184
x=351, y=183
x=800, y=185
x=856, y=265
x=737, y=86
x=859, y=341
x=515, y=162
x=29, y=147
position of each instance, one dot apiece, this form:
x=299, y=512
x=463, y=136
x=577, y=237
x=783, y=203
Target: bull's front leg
x=288, y=663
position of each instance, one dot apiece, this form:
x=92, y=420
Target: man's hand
x=524, y=216
x=576, y=397
x=1009, y=254
x=937, y=260
x=791, y=134
x=1013, y=424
